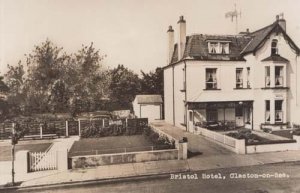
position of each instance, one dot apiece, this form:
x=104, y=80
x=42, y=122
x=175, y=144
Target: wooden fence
x=67, y=128
x=40, y=161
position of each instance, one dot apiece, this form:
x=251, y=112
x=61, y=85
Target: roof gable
x=260, y=36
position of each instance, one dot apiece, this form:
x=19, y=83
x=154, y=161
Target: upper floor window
x=278, y=76
x=239, y=78
x=248, y=78
x=274, y=47
x=213, y=47
x=224, y=48
x=218, y=47
x=211, y=78
x=267, y=76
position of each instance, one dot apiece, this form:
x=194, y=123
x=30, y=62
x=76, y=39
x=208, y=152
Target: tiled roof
x=257, y=37
x=197, y=45
x=275, y=58
x=148, y=99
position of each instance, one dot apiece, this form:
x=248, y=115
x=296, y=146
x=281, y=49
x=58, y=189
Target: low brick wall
x=131, y=157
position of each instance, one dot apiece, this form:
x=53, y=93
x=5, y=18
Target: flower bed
x=254, y=139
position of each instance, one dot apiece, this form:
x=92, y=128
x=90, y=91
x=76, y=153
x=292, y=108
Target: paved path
x=196, y=143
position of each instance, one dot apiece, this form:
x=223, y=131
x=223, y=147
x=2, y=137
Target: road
x=288, y=183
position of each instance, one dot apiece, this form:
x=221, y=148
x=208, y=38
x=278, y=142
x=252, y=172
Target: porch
x=220, y=116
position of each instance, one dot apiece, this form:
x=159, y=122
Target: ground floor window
x=212, y=114
x=267, y=115
x=278, y=111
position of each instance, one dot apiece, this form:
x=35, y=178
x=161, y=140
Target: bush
x=92, y=130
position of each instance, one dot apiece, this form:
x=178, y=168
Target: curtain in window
x=213, y=47
x=224, y=48
x=211, y=75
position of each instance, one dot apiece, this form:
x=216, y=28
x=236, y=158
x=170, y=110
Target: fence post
x=62, y=160
x=126, y=122
x=103, y=123
x=41, y=131
x=79, y=128
x=67, y=129
x=22, y=162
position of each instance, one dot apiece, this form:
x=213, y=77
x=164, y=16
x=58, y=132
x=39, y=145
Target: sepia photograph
x=150, y=96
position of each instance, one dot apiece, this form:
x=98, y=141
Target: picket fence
x=40, y=161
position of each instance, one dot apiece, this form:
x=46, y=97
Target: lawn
x=115, y=144
x=5, y=150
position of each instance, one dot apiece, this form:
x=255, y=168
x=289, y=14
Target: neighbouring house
x=250, y=80
x=148, y=106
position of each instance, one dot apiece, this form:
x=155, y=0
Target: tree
x=125, y=84
x=58, y=82
x=45, y=68
x=152, y=82
x=15, y=80
x=3, y=103
x=92, y=80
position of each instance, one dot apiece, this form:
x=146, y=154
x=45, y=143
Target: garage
x=148, y=106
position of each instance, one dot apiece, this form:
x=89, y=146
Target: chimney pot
x=170, y=29
x=181, y=19
x=247, y=30
x=277, y=17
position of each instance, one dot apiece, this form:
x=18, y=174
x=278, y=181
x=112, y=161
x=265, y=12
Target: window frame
x=274, y=48
x=214, y=83
x=240, y=77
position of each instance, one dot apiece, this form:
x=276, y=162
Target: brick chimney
x=281, y=21
x=170, y=43
x=182, y=37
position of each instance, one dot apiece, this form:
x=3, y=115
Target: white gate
x=39, y=161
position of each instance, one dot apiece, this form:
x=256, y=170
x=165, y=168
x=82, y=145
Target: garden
x=256, y=138
x=97, y=140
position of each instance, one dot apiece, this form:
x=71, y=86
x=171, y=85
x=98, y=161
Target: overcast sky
x=129, y=32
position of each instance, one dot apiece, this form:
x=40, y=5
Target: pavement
x=205, y=155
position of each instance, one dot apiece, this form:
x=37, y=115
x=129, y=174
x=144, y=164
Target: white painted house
x=148, y=106
x=247, y=80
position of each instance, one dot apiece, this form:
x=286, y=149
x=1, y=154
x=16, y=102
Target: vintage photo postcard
x=145, y=96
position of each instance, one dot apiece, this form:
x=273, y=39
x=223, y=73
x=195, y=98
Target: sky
x=129, y=32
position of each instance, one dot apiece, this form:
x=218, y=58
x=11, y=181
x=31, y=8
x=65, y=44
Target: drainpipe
x=252, y=112
x=185, y=97
x=173, y=95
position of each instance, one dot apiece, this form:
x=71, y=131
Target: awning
x=218, y=105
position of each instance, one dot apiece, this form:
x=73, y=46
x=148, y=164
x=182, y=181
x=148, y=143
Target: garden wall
x=274, y=147
x=239, y=146
x=230, y=143
x=131, y=157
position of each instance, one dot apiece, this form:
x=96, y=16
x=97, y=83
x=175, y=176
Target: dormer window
x=218, y=47
x=274, y=47
x=224, y=48
x=213, y=47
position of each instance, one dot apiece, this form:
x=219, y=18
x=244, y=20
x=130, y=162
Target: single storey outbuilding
x=148, y=106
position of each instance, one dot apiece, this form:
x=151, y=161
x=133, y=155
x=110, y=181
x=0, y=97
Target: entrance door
x=191, y=121
x=239, y=116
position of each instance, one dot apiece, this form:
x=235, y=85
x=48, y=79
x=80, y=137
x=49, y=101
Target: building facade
x=250, y=80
